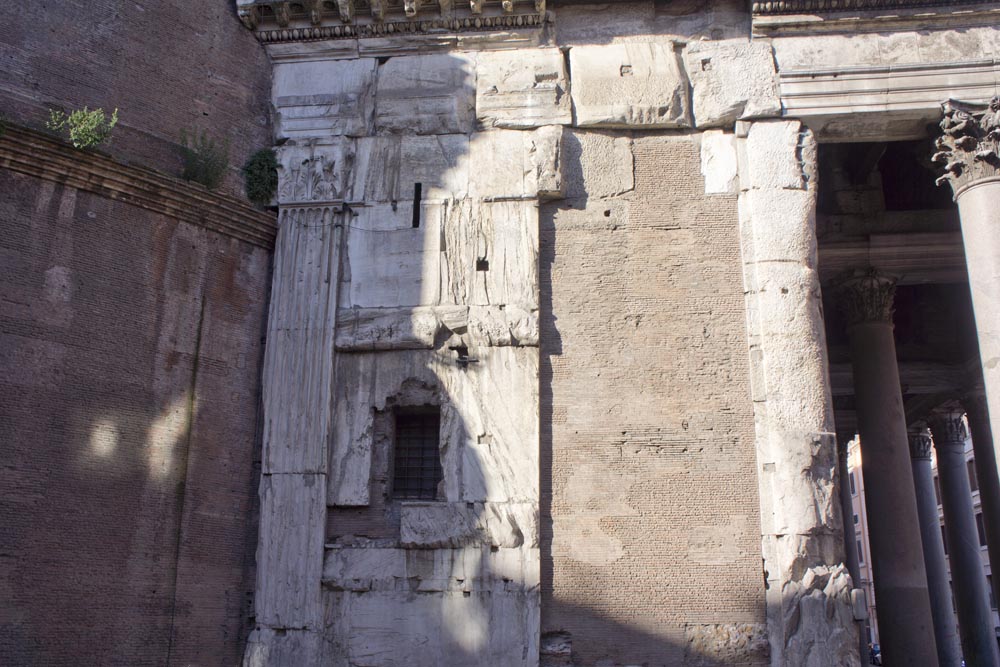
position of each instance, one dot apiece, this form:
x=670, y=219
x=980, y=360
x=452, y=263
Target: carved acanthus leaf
x=969, y=146
x=867, y=297
x=920, y=444
x=948, y=427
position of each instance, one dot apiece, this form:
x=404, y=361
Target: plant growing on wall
x=261, y=176
x=85, y=128
x=205, y=161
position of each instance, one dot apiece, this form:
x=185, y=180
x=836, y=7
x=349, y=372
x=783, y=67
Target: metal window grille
x=417, y=461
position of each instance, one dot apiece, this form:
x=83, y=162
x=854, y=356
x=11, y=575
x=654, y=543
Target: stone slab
x=435, y=525
x=520, y=164
x=426, y=94
x=731, y=79
x=388, y=168
x=719, y=163
x=525, y=91
x=323, y=98
x=632, y=85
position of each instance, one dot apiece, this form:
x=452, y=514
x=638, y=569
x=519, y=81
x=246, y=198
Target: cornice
x=765, y=7
x=278, y=21
x=807, y=17
x=29, y=152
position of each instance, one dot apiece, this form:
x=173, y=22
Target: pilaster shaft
x=949, y=650
x=978, y=417
x=906, y=628
x=975, y=622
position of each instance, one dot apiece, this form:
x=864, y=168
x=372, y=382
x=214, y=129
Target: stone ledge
x=36, y=154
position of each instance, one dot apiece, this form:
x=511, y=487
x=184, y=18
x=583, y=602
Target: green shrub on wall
x=205, y=161
x=85, y=128
x=261, y=176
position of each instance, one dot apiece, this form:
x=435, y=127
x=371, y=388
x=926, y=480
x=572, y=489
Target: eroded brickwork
x=651, y=542
x=130, y=350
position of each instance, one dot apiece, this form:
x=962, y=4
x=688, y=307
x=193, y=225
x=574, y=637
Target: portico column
x=949, y=650
x=906, y=628
x=975, y=623
x=969, y=151
x=989, y=481
x=850, y=537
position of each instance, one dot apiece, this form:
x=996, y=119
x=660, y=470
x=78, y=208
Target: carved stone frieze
x=948, y=426
x=276, y=21
x=313, y=172
x=819, y=6
x=920, y=444
x=867, y=297
x=969, y=147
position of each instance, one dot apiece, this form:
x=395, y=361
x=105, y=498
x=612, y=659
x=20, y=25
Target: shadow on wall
x=129, y=383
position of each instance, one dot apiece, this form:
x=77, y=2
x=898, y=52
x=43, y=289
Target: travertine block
x=639, y=84
x=323, y=98
x=389, y=262
x=284, y=648
x=719, y=164
x=449, y=525
x=596, y=164
x=489, y=253
x=503, y=325
x=775, y=157
x=731, y=79
x=527, y=90
x=426, y=94
x=520, y=164
x=489, y=420
x=290, y=550
x=388, y=168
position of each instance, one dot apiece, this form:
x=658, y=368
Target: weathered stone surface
x=516, y=164
x=527, y=90
x=284, y=647
x=314, y=171
x=503, y=325
x=323, y=98
x=596, y=164
x=290, y=551
x=489, y=429
x=731, y=79
x=298, y=361
x=426, y=94
x=728, y=643
x=448, y=525
x=797, y=462
x=489, y=253
x=428, y=570
x=719, y=164
x=388, y=167
x=389, y=262
x=637, y=84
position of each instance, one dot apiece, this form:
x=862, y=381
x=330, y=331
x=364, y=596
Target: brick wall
x=651, y=529
x=130, y=349
x=168, y=65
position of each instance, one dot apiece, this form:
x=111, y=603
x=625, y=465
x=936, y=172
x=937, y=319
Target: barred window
x=417, y=456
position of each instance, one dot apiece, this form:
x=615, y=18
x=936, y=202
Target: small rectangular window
x=861, y=554
x=981, y=528
x=854, y=489
x=855, y=519
x=973, y=482
x=944, y=541
x=989, y=587
x=417, y=455
x=937, y=490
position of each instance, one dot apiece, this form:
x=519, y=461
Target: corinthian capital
x=867, y=297
x=948, y=427
x=920, y=443
x=969, y=146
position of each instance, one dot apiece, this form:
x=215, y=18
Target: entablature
x=283, y=21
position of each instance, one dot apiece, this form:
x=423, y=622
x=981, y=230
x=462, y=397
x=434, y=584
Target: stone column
x=975, y=622
x=949, y=650
x=851, y=555
x=808, y=594
x=905, y=622
x=978, y=417
x=969, y=151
